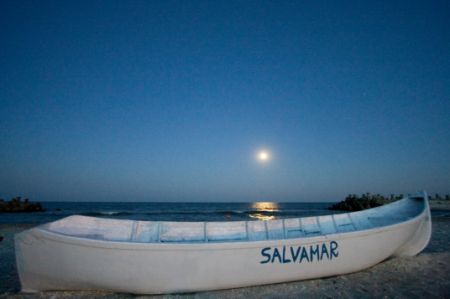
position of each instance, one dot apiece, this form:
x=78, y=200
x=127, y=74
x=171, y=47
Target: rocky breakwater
x=17, y=205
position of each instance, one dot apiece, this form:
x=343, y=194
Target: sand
x=443, y=205
x=424, y=276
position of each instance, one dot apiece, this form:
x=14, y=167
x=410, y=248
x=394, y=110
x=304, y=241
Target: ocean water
x=177, y=211
x=159, y=211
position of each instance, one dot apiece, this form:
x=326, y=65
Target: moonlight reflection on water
x=264, y=210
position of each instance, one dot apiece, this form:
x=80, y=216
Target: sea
x=170, y=211
x=178, y=211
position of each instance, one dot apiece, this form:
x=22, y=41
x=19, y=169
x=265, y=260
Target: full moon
x=263, y=156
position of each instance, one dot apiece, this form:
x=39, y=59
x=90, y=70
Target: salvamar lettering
x=300, y=254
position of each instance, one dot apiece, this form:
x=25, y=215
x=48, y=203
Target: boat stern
x=422, y=235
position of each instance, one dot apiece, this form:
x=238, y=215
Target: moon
x=263, y=156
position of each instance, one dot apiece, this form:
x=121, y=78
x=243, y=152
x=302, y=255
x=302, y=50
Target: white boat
x=144, y=257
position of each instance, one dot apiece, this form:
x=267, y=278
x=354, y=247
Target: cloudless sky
x=171, y=100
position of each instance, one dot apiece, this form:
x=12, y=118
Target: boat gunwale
x=157, y=246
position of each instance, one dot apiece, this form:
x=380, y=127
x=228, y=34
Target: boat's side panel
x=51, y=264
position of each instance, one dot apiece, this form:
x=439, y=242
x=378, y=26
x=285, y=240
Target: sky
x=172, y=100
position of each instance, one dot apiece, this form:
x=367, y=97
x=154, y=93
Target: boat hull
x=49, y=261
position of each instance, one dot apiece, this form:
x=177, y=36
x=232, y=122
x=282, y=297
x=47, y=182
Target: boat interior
x=234, y=231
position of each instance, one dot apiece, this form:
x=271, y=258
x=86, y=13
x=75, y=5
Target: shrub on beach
x=354, y=202
x=17, y=205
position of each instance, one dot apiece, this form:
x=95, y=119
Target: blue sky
x=170, y=100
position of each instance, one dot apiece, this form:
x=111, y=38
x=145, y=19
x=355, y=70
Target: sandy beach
x=426, y=275
x=443, y=205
